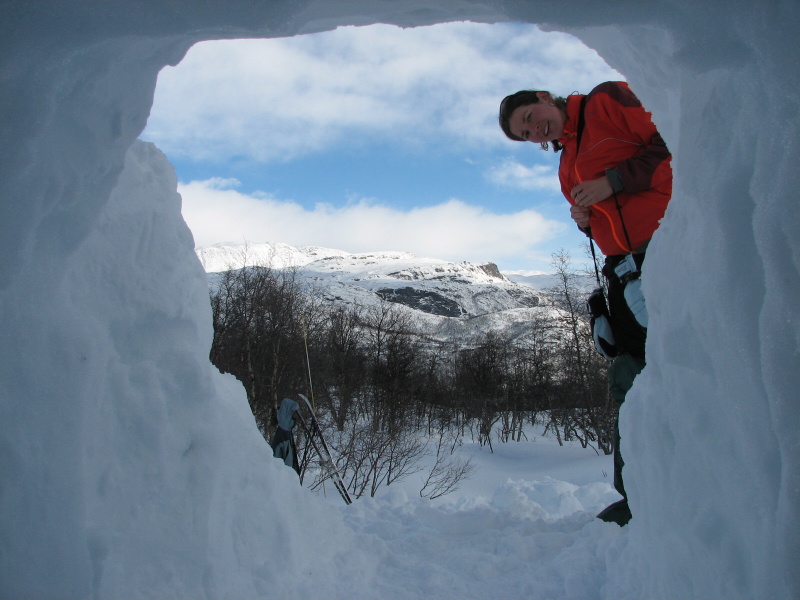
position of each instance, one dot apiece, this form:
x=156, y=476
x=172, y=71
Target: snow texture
x=131, y=468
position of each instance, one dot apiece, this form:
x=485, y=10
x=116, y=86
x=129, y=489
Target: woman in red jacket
x=615, y=172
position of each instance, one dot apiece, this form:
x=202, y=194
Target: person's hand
x=580, y=214
x=591, y=191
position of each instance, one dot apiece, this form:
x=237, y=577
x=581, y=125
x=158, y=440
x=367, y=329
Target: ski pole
x=308, y=362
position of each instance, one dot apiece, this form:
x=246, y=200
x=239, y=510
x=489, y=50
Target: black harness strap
x=578, y=135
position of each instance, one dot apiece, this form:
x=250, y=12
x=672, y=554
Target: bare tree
x=258, y=314
x=394, y=362
x=370, y=457
x=448, y=471
x=482, y=378
x=343, y=371
x=580, y=409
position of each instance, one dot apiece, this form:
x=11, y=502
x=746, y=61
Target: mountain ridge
x=448, y=300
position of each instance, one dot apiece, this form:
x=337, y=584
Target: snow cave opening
x=242, y=142
x=122, y=431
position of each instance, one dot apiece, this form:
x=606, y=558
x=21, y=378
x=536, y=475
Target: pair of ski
x=315, y=439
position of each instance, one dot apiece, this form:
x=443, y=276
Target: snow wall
x=131, y=467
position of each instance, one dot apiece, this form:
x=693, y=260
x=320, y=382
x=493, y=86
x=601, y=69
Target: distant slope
x=448, y=300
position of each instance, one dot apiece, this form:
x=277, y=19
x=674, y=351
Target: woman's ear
x=544, y=97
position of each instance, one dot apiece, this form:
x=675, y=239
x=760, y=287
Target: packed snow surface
x=131, y=468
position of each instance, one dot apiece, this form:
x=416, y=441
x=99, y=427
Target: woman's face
x=537, y=123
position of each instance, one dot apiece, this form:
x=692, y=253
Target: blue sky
x=373, y=138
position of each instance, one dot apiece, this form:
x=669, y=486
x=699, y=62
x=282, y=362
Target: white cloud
x=222, y=183
x=276, y=99
x=452, y=230
x=512, y=174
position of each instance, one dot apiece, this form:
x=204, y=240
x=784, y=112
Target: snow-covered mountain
x=448, y=300
x=223, y=257
x=541, y=281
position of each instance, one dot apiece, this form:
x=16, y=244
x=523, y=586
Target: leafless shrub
x=448, y=471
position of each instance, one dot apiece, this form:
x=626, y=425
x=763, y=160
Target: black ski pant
x=630, y=338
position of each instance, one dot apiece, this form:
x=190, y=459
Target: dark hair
x=524, y=98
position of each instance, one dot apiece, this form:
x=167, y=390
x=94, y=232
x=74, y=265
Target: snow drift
x=130, y=467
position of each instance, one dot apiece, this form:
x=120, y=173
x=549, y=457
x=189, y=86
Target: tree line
x=382, y=388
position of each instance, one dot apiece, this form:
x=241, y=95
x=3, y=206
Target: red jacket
x=619, y=140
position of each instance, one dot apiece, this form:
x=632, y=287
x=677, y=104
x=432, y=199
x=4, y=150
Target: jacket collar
x=571, y=125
